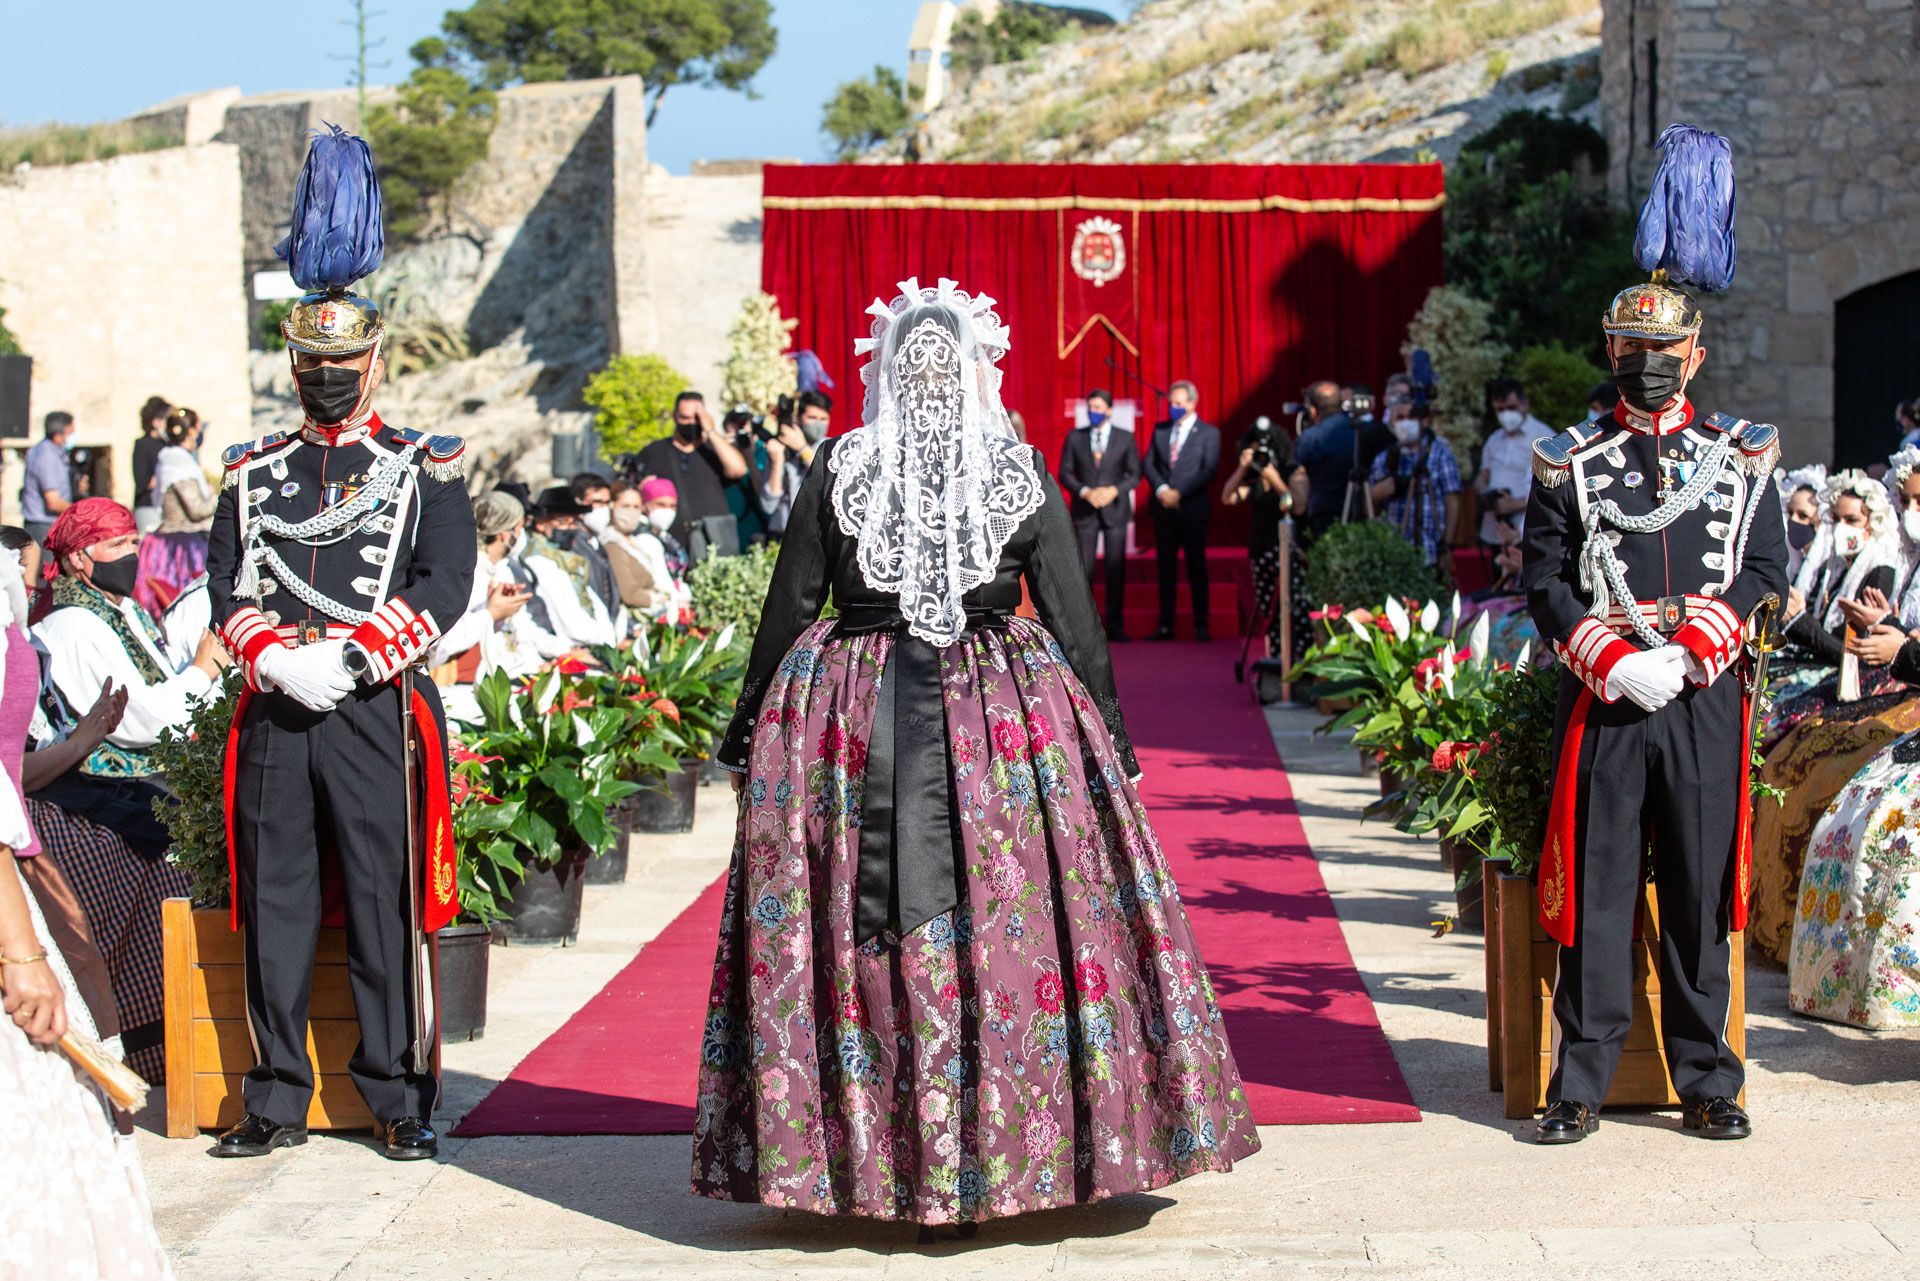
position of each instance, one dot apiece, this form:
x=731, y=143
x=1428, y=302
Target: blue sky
x=102, y=59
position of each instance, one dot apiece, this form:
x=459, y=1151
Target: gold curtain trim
x=1042, y=204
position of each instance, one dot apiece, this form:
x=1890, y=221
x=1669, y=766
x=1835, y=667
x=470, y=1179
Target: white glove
x=1650, y=677
x=311, y=675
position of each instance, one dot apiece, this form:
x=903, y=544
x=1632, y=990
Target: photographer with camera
x=800, y=424
x=1416, y=485
x=1269, y=482
x=1326, y=450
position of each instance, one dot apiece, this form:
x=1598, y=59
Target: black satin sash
x=910, y=866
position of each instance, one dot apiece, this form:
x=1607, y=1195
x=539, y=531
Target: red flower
x=1443, y=757
x=856, y=756
x=762, y=971
x=1010, y=737
x=950, y=991
x=666, y=707
x=833, y=742
x=1364, y=617
x=570, y=702
x=634, y=678
x=1331, y=613
x=1450, y=754
x=1041, y=733
x=1091, y=979
x=1047, y=990
x=570, y=665
x=462, y=754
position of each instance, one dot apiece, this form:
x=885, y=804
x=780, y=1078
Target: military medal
x=289, y=489
x=1632, y=480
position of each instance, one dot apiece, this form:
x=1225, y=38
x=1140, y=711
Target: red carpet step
x=1303, y=1028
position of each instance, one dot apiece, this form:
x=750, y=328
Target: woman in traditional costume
x=954, y=978
x=175, y=554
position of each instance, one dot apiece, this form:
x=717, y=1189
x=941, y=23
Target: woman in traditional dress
x=175, y=554
x=78, y=1204
x=954, y=978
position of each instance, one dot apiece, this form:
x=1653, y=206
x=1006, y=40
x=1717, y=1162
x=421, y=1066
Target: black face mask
x=117, y=577
x=1649, y=379
x=689, y=432
x=328, y=393
x=1798, y=535
x=563, y=538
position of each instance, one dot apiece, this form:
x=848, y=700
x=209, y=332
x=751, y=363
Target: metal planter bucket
x=544, y=908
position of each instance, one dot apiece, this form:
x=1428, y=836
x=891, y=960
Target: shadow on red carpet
x=1303, y=1028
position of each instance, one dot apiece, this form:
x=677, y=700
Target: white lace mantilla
x=935, y=483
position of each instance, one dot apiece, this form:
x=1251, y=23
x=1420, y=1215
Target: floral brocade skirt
x=1052, y=1041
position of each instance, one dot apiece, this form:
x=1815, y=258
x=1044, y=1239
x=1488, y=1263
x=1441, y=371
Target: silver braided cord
x=1601, y=572
x=330, y=525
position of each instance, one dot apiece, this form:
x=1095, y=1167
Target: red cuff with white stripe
x=248, y=635
x=1713, y=636
x=393, y=637
x=1590, y=653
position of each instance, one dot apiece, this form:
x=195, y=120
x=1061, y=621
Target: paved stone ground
x=1823, y=1189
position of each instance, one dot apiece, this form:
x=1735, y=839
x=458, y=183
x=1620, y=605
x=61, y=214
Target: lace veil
x=935, y=482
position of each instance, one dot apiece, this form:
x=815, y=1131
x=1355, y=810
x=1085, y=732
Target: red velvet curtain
x=1249, y=280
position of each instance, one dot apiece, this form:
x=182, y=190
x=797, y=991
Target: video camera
x=1260, y=441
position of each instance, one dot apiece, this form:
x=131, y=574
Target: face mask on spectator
x=627, y=519
x=814, y=429
x=519, y=544
x=1095, y=420
x=116, y=577
x=1910, y=525
x=662, y=518
x=1407, y=431
x=1177, y=412
x=689, y=432
x=1848, y=539
x=597, y=520
x=1799, y=536
x=1511, y=420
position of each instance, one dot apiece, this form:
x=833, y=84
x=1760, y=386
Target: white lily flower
x=1446, y=669
x=1478, y=637
x=1525, y=660
x=725, y=638
x=1359, y=628
x=1398, y=620
x=1455, y=615
x=1430, y=616
x=546, y=691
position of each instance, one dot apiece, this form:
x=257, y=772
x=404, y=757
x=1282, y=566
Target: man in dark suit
x=1099, y=468
x=1181, y=465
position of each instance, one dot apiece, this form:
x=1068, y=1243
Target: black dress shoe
x=1165, y=633
x=254, y=1135
x=1565, y=1122
x=1717, y=1118
x=411, y=1139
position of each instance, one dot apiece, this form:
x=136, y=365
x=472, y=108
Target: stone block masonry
x=122, y=278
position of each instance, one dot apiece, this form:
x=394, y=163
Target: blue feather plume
x=337, y=235
x=812, y=374
x=1686, y=224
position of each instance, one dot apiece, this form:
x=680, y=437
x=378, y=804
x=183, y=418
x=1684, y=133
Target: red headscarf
x=89, y=521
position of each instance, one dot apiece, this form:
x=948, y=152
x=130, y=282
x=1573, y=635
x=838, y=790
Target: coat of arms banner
x=1248, y=279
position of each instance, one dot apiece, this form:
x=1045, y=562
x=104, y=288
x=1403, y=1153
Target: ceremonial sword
x=416, y=936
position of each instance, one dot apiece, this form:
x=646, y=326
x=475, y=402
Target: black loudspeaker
x=16, y=380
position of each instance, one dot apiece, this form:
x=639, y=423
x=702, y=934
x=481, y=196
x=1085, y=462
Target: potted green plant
x=646, y=747
x=693, y=681
x=1358, y=565
x=547, y=751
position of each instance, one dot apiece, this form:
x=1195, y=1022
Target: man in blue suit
x=1181, y=465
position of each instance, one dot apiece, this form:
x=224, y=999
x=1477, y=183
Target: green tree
x=9, y=345
x=428, y=140
x=1017, y=32
x=632, y=399
x=866, y=112
x=1557, y=382
x=1529, y=231
x=664, y=42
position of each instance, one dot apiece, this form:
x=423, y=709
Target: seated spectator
x=1858, y=548
x=176, y=553
x=495, y=633
x=700, y=461
x=594, y=492
x=561, y=576
x=650, y=584
x=101, y=866
x=1506, y=465
x=1416, y=485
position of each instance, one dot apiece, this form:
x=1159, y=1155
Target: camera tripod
x=1260, y=622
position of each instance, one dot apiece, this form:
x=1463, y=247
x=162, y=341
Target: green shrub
x=1016, y=33
x=193, y=758
x=633, y=403
x=729, y=591
x=58, y=144
x=267, y=333
x=1360, y=565
x=866, y=112
x=1456, y=329
x=1557, y=382
x=1513, y=775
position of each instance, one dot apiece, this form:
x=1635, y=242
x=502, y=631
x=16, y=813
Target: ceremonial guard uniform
x=1653, y=538
x=338, y=553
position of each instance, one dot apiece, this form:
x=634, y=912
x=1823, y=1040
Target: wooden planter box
x=209, y=1044
x=1521, y=962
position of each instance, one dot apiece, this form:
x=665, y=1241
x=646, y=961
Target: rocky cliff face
x=1277, y=81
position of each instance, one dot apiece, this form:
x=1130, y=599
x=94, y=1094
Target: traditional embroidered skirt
x=168, y=562
x=1054, y=1040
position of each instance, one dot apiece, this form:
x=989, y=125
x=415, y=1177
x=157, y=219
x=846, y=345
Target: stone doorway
x=1876, y=340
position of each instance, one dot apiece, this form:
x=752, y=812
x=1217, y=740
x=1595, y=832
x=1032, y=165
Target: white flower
x=1398, y=620
x=1525, y=660
x=1455, y=613
x=1359, y=628
x=1477, y=638
x=725, y=638
x=1446, y=669
x=1430, y=615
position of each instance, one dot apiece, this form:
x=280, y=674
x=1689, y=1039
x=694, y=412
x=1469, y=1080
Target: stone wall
x=1818, y=98
x=703, y=240
x=122, y=278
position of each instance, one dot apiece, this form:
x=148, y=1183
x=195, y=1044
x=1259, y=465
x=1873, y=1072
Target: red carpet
x=1302, y=1025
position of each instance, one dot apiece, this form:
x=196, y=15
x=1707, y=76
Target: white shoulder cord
x=331, y=525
